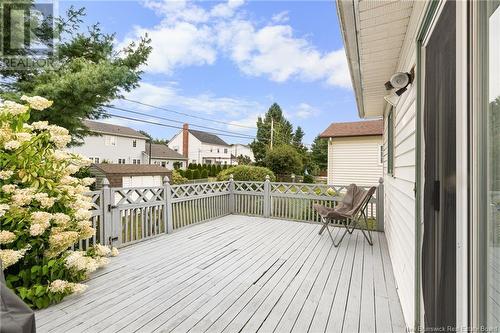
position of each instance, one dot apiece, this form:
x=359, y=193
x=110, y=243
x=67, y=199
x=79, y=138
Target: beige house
x=355, y=152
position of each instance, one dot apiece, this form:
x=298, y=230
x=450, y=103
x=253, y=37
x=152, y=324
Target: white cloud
x=281, y=17
x=305, y=111
x=190, y=35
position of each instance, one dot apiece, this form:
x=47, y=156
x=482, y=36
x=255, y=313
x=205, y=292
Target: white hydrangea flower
x=3, y=209
x=61, y=219
x=37, y=229
x=10, y=257
x=60, y=155
x=22, y=197
x=77, y=288
x=102, y=261
x=6, y=174
x=102, y=250
x=14, y=108
x=58, y=286
x=44, y=200
x=68, y=180
x=40, y=125
x=37, y=102
x=78, y=261
x=12, y=145
x=7, y=237
x=9, y=188
x=23, y=136
x=87, y=181
x=71, y=169
x=42, y=218
x=83, y=214
x=114, y=252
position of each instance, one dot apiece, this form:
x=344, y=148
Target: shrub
x=43, y=209
x=196, y=174
x=284, y=160
x=204, y=174
x=177, y=178
x=246, y=172
x=218, y=168
x=308, y=179
x=189, y=174
x=212, y=172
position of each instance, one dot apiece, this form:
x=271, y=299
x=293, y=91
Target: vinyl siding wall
x=399, y=204
x=354, y=160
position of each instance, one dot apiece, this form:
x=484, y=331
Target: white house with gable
x=201, y=147
x=112, y=144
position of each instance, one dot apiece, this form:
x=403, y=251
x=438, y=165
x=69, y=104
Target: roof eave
x=346, y=11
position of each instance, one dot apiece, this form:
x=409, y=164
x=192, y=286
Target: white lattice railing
x=124, y=216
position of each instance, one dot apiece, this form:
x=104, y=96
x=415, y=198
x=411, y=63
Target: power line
x=172, y=126
x=189, y=115
x=177, y=121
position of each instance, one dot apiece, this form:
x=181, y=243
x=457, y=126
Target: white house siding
x=199, y=152
x=354, y=160
x=169, y=164
x=95, y=146
x=399, y=205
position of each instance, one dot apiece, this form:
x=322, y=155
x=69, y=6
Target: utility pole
x=272, y=133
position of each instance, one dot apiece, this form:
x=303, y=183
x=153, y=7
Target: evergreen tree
x=283, y=132
x=319, y=152
x=88, y=73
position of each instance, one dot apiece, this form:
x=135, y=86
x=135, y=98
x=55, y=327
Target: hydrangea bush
x=43, y=208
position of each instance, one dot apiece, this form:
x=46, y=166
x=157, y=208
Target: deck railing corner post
x=107, y=219
x=380, y=204
x=267, y=197
x=167, y=209
x=231, y=194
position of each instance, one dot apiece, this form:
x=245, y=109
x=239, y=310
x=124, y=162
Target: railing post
x=167, y=209
x=380, y=205
x=293, y=178
x=267, y=197
x=107, y=216
x=231, y=194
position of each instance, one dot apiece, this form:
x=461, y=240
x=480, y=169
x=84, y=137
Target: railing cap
x=267, y=178
x=381, y=180
x=166, y=180
x=105, y=182
x=231, y=177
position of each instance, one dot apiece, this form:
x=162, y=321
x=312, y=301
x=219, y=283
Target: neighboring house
x=201, y=147
x=354, y=152
x=162, y=155
x=129, y=175
x=238, y=149
x=441, y=151
x=113, y=144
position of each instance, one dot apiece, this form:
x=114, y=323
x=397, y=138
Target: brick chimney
x=185, y=140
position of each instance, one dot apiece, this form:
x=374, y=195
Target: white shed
x=355, y=152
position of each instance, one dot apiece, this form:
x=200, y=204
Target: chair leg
x=341, y=238
x=368, y=233
x=325, y=225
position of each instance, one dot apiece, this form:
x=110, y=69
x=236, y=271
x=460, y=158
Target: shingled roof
x=131, y=169
x=104, y=128
x=356, y=128
x=163, y=152
x=208, y=138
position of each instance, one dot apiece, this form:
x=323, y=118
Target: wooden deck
x=238, y=274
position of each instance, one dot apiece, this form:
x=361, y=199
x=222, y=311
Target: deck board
x=238, y=274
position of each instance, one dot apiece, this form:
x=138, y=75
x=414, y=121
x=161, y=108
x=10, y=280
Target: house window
x=218, y=150
x=94, y=159
x=134, y=143
x=136, y=161
x=110, y=140
x=225, y=150
x=121, y=161
x=163, y=164
x=390, y=142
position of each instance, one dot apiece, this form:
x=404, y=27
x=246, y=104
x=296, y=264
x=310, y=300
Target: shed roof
x=105, y=128
x=131, y=169
x=356, y=128
x=162, y=151
x=208, y=138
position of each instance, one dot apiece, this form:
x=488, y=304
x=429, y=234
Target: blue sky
x=231, y=60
